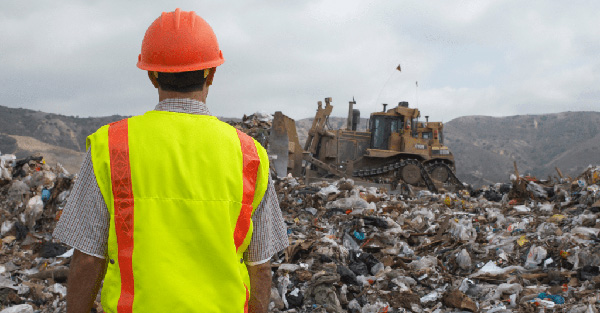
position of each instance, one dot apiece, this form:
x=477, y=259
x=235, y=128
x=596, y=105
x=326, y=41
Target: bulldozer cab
x=382, y=127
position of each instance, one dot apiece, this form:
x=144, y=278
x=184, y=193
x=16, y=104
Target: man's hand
x=85, y=275
x=260, y=287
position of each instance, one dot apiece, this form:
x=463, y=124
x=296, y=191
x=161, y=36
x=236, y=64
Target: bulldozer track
x=452, y=179
x=397, y=166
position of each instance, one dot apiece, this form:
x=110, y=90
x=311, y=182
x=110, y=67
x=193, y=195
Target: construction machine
x=396, y=148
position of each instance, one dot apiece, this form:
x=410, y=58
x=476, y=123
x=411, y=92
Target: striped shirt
x=85, y=220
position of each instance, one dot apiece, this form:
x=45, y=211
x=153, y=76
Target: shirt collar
x=183, y=105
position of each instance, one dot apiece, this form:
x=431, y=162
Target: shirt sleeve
x=270, y=232
x=85, y=220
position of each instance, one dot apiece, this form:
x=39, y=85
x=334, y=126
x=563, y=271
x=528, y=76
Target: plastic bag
x=354, y=203
x=463, y=259
x=349, y=243
x=424, y=263
x=537, y=190
x=463, y=230
x=326, y=191
x=35, y=208
x=535, y=256
x=509, y=289
x=17, y=190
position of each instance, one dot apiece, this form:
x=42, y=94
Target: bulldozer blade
x=278, y=145
x=284, y=149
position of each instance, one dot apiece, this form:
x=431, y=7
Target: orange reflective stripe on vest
x=118, y=142
x=251, y=162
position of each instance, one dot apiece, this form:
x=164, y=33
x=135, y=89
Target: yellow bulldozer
x=396, y=148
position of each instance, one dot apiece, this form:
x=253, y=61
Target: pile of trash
x=257, y=125
x=33, y=267
x=525, y=246
x=498, y=249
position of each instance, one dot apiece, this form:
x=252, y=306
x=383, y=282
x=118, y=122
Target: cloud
x=488, y=58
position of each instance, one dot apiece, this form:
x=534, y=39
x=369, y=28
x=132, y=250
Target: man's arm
x=268, y=238
x=85, y=275
x=260, y=287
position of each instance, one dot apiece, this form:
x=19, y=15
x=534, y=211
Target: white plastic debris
x=312, y=211
x=585, y=231
x=433, y=296
x=425, y=263
x=535, y=256
x=35, y=208
x=463, y=230
x=289, y=267
x=326, y=191
x=521, y=208
x=59, y=289
x=491, y=268
x=67, y=254
x=21, y=308
x=6, y=163
x=6, y=227
x=7, y=283
x=537, y=190
x=263, y=116
x=507, y=289
x=284, y=282
x=464, y=260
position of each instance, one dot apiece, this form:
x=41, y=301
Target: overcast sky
x=469, y=57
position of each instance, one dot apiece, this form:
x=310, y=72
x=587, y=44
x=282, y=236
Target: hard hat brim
x=179, y=68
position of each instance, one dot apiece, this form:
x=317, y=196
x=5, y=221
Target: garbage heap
x=524, y=246
x=257, y=125
x=357, y=249
x=33, y=268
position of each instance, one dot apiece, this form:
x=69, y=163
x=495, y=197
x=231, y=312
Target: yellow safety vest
x=180, y=190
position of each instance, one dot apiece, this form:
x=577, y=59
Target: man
x=174, y=208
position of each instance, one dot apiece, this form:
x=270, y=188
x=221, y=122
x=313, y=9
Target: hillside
x=28, y=146
x=54, y=129
x=484, y=147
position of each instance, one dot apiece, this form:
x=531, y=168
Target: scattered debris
x=361, y=249
x=488, y=250
x=32, y=275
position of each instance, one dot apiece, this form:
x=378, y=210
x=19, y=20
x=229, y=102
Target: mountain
x=54, y=129
x=58, y=138
x=484, y=147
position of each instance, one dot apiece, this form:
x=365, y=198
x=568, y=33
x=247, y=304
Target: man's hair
x=182, y=81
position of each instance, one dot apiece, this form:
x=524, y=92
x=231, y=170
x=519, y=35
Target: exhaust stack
x=350, y=114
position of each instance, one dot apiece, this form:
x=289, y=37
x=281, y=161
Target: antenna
x=417, y=93
x=398, y=68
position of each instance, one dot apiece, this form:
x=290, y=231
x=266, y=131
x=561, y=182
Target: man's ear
x=153, y=78
x=211, y=75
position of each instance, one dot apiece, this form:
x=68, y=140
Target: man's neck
x=196, y=95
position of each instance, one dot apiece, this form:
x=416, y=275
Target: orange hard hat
x=179, y=41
